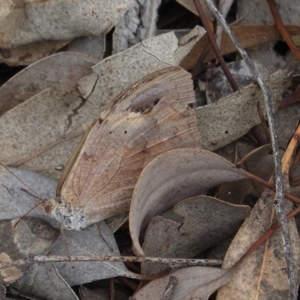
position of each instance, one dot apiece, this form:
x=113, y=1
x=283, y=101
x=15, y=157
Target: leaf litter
x=184, y=221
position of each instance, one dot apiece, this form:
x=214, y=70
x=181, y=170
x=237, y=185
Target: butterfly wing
x=131, y=132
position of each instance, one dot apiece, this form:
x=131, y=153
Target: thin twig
x=281, y=28
x=279, y=201
x=172, y=262
x=215, y=47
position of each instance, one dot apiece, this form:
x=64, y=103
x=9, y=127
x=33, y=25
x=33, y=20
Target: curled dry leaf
x=30, y=236
x=172, y=177
x=147, y=119
x=206, y=222
x=39, y=280
x=53, y=136
x=192, y=283
x=33, y=21
x=263, y=274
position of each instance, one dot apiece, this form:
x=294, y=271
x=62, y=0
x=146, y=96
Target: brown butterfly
x=147, y=119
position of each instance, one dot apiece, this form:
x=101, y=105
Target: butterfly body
x=149, y=118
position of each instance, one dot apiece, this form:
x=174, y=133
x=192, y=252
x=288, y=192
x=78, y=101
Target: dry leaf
x=172, y=177
x=149, y=118
x=112, y=76
x=233, y=116
x=263, y=274
x=59, y=72
x=205, y=222
x=30, y=53
x=90, y=45
x=96, y=240
x=33, y=21
x=39, y=280
x=49, y=134
x=193, y=283
x=31, y=236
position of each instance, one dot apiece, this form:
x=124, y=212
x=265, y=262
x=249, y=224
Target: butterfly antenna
x=12, y=173
x=32, y=193
x=22, y=217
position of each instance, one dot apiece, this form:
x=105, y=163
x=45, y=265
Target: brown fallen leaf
x=31, y=236
x=206, y=222
x=263, y=274
x=149, y=118
x=172, y=177
x=192, y=283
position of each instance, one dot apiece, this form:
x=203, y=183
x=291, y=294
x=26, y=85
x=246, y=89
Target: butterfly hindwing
x=152, y=117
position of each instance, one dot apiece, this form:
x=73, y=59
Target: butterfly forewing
x=149, y=118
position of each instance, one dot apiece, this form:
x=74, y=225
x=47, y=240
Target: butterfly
x=149, y=118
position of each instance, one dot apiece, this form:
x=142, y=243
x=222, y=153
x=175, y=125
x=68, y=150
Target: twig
x=281, y=28
x=112, y=289
x=214, y=45
x=172, y=262
x=279, y=201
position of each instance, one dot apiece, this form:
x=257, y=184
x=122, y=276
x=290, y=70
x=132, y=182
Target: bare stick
x=172, y=262
x=279, y=201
